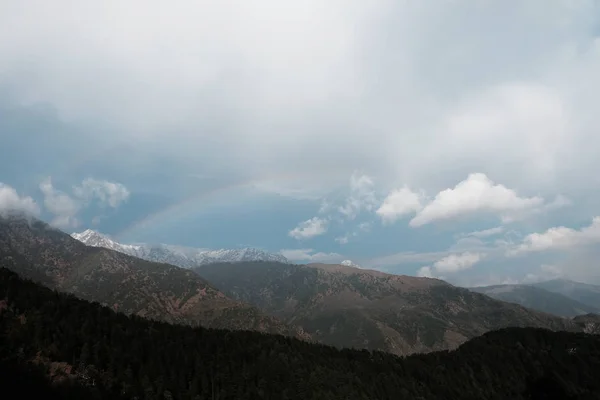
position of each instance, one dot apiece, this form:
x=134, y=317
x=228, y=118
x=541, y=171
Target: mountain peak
x=87, y=234
x=180, y=256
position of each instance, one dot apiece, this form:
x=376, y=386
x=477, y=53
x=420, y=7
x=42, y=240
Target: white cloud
x=425, y=272
x=61, y=205
x=310, y=228
x=486, y=232
x=362, y=196
x=108, y=193
x=406, y=257
x=311, y=256
x=398, y=203
x=11, y=201
x=476, y=194
x=65, y=207
x=202, y=82
x=559, y=238
x=451, y=263
x=457, y=262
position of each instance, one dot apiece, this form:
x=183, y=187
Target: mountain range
x=340, y=305
x=352, y=307
x=128, y=284
x=546, y=300
x=185, y=257
x=582, y=292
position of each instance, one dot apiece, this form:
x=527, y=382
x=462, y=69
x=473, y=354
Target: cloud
x=362, y=196
x=559, y=238
x=342, y=239
x=544, y=273
x=398, y=203
x=486, y=232
x=65, y=207
x=61, y=205
x=361, y=228
x=310, y=228
x=202, y=82
x=297, y=97
x=457, y=262
x=406, y=257
x=108, y=193
x=476, y=194
x=450, y=264
x=11, y=201
x=425, y=272
x=311, y=256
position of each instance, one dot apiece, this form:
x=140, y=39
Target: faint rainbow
x=195, y=202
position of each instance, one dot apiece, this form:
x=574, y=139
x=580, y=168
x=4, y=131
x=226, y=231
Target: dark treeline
x=54, y=345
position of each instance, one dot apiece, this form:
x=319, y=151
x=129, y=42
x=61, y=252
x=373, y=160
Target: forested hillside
x=109, y=355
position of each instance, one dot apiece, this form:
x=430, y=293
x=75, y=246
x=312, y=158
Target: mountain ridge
x=585, y=293
x=353, y=307
x=181, y=256
x=537, y=298
x=125, y=283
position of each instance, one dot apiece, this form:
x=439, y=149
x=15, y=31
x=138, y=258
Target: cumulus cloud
x=65, y=207
x=559, y=238
x=107, y=193
x=450, y=264
x=311, y=256
x=61, y=205
x=425, y=272
x=476, y=194
x=457, y=262
x=310, y=228
x=11, y=201
x=398, y=203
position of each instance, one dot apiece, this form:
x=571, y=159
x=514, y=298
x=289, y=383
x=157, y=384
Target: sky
x=455, y=139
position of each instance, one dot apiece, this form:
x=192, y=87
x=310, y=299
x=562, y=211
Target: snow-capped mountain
x=185, y=257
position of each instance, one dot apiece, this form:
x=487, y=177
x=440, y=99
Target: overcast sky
x=453, y=138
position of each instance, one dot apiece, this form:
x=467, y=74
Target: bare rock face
x=131, y=285
x=352, y=307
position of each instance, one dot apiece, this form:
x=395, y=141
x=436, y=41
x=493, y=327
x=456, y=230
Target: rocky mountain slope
x=538, y=299
x=581, y=292
x=589, y=323
x=134, y=286
x=185, y=257
x=352, y=307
